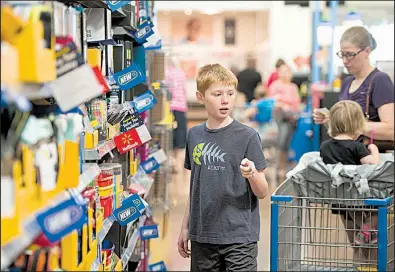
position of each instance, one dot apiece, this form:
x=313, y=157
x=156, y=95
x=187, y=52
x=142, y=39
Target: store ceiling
x=211, y=7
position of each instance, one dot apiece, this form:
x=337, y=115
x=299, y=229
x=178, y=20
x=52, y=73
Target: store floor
x=165, y=248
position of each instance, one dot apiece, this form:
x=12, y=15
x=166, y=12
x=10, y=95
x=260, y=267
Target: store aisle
x=165, y=248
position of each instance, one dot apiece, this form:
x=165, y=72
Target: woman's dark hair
x=279, y=63
x=360, y=37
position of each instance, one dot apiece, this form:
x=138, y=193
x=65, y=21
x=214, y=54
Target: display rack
x=86, y=151
x=31, y=229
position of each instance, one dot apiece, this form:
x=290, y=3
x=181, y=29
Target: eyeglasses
x=348, y=55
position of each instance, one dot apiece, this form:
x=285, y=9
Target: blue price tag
x=114, y=5
x=62, y=219
x=137, y=202
x=149, y=232
x=129, y=77
x=145, y=31
x=145, y=101
x=127, y=213
x=159, y=266
x=150, y=165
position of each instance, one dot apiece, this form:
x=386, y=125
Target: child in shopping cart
x=226, y=159
x=346, y=124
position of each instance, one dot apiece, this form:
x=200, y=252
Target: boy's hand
x=247, y=168
x=183, y=244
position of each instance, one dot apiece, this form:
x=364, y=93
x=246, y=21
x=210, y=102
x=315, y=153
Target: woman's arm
x=383, y=130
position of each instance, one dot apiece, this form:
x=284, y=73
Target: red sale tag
x=132, y=139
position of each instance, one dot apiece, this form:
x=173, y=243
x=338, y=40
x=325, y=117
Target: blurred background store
x=251, y=38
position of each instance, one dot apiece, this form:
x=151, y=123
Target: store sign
x=149, y=232
x=62, y=219
x=131, y=121
x=132, y=139
x=159, y=266
x=145, y=101
x=114, y=5
x=150, y=165
x=129, y=77
x=127, y=213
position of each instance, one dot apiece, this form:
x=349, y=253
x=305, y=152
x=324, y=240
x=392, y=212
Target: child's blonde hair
x=346, y=117
x=214, y=73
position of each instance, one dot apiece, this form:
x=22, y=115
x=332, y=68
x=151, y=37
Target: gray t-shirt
x=223, y=208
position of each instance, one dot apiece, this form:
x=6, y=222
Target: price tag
x=62, y=219
x=127, y=213
x=149, y=232
x=129, y=77
x=159, y=266
x=145, y=101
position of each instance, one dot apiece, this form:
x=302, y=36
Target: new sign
x=144, y=32
x=127, y=213
x=129, y=77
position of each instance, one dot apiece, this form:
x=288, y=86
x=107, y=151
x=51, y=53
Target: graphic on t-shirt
x=211, y=153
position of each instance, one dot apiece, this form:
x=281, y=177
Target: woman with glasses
x=373, y=90
x=369, y=87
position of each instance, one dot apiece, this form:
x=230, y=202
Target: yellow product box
x=91, y=139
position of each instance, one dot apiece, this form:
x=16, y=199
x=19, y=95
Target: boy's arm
x=253, y=166
x=185, y=221
x=256, y=178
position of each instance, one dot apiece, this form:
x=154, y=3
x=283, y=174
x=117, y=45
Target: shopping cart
x=318, y=211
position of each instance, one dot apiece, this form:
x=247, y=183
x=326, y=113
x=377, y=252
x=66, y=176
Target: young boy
x=227, y=163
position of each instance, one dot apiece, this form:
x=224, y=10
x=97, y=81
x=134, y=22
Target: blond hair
x=346, y=117
x=360, y=37
x=214, y=73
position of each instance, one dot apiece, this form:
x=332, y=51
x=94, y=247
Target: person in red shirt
x=274, y=76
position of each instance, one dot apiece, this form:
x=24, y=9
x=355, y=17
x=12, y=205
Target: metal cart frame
x=306, y=235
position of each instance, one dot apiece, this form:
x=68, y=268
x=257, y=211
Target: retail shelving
x=118, y=24
x=31, y=229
